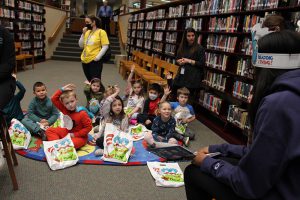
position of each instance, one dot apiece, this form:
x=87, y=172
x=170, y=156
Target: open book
x=172, y=152
x=175, y=152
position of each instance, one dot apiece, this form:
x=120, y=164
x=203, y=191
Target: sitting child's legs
x=79, y=142
x=100, y=142
x=56, y=133
x=32, y=126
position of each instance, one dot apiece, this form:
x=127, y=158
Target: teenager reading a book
x=269, y=168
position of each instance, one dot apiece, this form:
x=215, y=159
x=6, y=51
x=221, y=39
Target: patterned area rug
x=139, y=155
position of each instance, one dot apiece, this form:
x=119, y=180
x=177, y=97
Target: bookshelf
x=25, y=19
x=223, y=29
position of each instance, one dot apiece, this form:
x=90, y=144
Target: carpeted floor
x=90, y=182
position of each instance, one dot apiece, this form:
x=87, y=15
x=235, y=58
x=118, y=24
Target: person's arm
x=54, y=114
x=198, y=59
x=192, y=117
x=21, y=92
x=124, y=124
x=86, y=123
x=81, y=41
x=146, y=106
x=106, y=105
x=129, y=79
x=264, y=164
x=8, y=56
x=155, y=126
x=167, y=91
x=32, y=110
x=101, y=52
x=56, y=101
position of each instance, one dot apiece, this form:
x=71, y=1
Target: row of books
x=242, y=90
x=140, y=25
x=214, y=7
x=147, y=44
x=38, y=27
x=157, y=46
x=37, y=17
x=149, y=25
x=161, y=25
x=139, y=43
x=250, y=21
x=148, y=35
x=227, y=24
x=158, y=36
x=10, y=3
x=221, y=42
x=24, y=5
x=210, y=101
x=7, y=13
x=170, y=49
x=140, y=34
x=246, y=46
x=260, y=4
x=157, y=14
x=218, y=61
x=215, y=80
x=38, y=44
x=173, y=24
x=38, y=52
x=171, y=37
x=194, y=23
x=176, y=11
x=24, y=36
x=238, y=116
x=245, y=68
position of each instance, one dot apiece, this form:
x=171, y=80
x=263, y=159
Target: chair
x=9, y=152
x=22, y=56
x=125, y=65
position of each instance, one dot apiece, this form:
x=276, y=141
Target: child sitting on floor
x=41, y=112
x=136, y=99
x=183, y=112
x=94, y=95
x=13, y=108
x=151, y=105
x=65, y=100
x=163, y=128
x=117, y=117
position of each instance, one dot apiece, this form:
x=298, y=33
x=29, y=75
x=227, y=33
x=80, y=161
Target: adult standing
x=269, y=168
x=7, y=65
x=105, y=14
x=94, y=42
x=191, y=60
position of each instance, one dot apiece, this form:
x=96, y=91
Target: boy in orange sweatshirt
x=65, y=100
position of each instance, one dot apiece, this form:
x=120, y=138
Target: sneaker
x=186, y=141
x=190, y=134
x=42, y=134
x=99, y=152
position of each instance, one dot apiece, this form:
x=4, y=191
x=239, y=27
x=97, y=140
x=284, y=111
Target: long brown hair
x=184, y=43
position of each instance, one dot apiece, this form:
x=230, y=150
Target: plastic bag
x=60, y=153
x=117, y=144
x=166, y=174
x=19, y=135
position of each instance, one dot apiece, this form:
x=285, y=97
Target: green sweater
x=90, y=95
x=42, y=109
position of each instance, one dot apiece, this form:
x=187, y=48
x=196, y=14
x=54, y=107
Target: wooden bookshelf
x=25, y=19
x=223, y=29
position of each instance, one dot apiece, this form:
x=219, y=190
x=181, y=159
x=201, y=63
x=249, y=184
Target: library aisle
x=37, y=181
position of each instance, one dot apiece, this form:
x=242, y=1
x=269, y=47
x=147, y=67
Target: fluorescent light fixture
x=167, y=1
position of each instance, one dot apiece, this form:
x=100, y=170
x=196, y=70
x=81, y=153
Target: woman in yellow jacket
x=94, y=42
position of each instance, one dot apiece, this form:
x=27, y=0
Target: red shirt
x=153, y=106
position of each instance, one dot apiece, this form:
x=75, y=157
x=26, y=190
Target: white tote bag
x=117, y=144
x=60, y=153
x=19, y=135
x=138, y=132
x=166, y=174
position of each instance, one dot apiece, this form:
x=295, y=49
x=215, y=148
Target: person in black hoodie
x=269, y=168
x=7, y=65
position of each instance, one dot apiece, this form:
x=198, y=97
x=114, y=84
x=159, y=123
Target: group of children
x=104, y=106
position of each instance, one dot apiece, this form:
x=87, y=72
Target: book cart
x=223, y=29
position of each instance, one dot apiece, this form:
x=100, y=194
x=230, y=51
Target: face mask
x=152, y=96
x=89, y=26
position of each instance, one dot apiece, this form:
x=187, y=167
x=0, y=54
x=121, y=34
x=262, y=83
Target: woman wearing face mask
x=94, y=42
x=191, y=59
